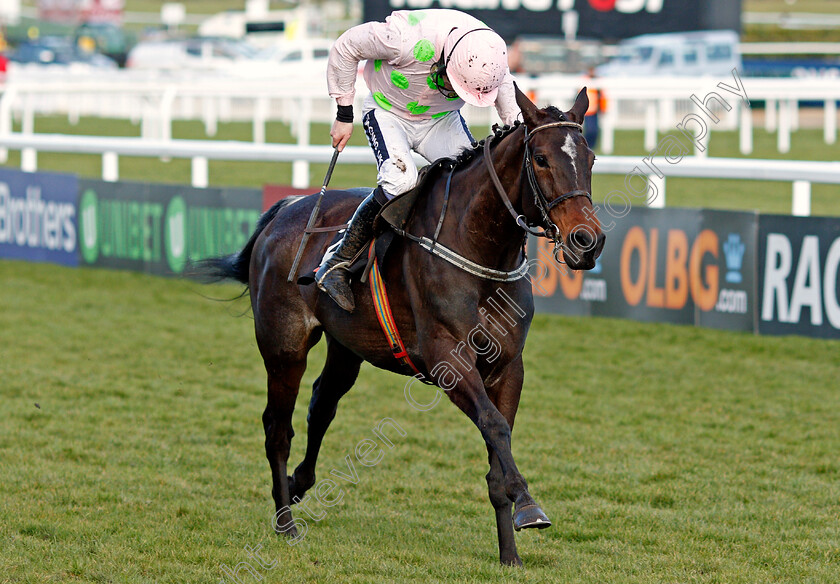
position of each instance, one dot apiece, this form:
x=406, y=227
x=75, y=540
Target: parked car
x=291, y=52
x=61, y=51
x=195, y=53
x=106, y=38
x=680, y=54
x=539, y=55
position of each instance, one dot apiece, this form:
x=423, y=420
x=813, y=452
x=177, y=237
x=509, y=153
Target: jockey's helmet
x=475, y=64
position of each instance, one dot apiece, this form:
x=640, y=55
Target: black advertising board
x=599, y=19
x=158, y=228
x=799, y=271
x=735, y=257
x=684, y=266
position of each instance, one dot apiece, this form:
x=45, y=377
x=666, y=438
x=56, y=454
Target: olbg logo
x=685, y=270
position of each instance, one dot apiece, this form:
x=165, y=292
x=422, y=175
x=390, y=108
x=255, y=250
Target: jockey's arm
x=506, y=101
x=371, y=40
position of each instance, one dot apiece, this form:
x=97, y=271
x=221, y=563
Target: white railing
x=800, y=173
x=154, y=100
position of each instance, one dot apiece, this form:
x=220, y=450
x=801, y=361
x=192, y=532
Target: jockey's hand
x=341, y=132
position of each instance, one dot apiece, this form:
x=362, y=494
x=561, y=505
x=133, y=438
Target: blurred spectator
x=597, y=104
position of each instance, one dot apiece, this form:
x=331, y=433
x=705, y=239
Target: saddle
x=395, y=213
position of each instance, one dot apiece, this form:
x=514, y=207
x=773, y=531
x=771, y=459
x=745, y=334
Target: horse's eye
x=541, y=160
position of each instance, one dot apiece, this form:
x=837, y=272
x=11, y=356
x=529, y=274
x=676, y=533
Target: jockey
x=422, y=66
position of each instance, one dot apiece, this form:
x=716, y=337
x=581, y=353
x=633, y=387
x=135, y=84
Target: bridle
x=547, y=228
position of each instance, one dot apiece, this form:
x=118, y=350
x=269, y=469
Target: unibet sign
x=159, y=228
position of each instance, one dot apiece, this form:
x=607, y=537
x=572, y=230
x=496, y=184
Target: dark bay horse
x=535, y=176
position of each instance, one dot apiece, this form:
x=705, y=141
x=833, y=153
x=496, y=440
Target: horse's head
x=557, y=191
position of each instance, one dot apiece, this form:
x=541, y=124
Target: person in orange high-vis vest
x=597, y=104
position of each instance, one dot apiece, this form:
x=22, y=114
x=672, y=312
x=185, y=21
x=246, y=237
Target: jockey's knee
x=397, y=176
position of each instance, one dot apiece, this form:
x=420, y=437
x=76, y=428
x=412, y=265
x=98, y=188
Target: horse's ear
x=529, y=110
x=578, y=110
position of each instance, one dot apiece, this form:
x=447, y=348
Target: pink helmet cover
x=477, y=65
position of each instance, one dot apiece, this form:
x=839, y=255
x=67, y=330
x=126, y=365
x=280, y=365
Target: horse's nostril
x=581, y=239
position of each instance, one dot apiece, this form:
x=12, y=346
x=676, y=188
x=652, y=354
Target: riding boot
x=333, y=275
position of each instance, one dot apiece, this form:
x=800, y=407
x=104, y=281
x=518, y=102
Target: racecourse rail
x=300, y=98
x=800, y=173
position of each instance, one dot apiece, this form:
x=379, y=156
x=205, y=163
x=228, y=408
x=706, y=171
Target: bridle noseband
x=548, y=228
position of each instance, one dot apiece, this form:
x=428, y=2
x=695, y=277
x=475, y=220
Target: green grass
x=661, y=453
x=768, y=197
x=818, y=6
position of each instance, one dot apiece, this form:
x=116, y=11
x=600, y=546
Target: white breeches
x=394, y=138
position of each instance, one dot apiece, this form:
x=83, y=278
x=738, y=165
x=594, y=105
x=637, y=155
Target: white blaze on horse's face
x=570, y=149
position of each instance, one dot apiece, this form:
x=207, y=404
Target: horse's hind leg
x=338, y=376
x=284, y=342
x=284, y=376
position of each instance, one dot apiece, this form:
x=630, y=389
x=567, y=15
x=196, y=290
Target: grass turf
x=661, y=453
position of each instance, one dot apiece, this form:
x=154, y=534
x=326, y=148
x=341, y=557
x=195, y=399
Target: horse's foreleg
x=469, y=394
x=505, y=396
x=338, y=376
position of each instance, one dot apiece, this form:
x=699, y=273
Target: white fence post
x=166, y=102
x=650, y=125
x=28, y=156
x=200, y=172
x=770, y=115
x=783, y=138
x=746, y=142
x=260, y=117
x=830, y=121
x=29, y=160
x=110, y=167
x=658, y=185
x=211, y=119
x=6, y=102
x=801, y=198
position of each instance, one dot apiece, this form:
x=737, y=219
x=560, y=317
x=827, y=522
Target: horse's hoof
x=285, y=525
x=514, y=561
x=290, y=531
x=530, y=516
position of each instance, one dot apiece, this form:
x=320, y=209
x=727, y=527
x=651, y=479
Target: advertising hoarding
x=159, y=228
x=38, y=217
x=684, y=266
x=799, y=271
x=597, y=19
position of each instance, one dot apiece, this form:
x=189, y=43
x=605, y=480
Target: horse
x=532, y=177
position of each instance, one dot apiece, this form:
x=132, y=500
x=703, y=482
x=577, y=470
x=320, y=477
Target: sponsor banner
x=682, y=266
x=159, y=228
x=273, y=193
x=799, y=271
x=733, y=239
x=601, y=19
x=38, y=218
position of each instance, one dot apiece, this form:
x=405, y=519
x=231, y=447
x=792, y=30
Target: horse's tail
x=235, y=266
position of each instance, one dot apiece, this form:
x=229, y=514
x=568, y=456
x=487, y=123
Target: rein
x=549, y=230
